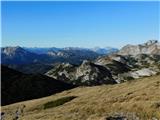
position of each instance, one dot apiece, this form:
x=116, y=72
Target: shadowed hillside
x=17, y=86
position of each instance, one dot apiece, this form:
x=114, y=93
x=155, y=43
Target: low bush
x=58, y=102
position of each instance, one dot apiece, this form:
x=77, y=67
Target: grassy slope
x=141, y=97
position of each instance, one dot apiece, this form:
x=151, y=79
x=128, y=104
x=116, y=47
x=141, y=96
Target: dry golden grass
x=140, y=97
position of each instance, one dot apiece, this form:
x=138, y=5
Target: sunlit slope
x=135, y=99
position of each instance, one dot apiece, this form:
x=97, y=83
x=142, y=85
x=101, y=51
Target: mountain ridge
x=150, y=47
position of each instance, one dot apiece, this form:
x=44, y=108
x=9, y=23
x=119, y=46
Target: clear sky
x=79, y=24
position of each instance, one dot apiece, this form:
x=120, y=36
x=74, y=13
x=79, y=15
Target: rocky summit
x=150, y=47
x=17, y=55
x=87, y=73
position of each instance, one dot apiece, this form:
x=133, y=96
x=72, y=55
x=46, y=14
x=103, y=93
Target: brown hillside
x=138, y=99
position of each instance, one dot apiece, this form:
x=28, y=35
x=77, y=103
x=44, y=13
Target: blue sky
x=79, y=24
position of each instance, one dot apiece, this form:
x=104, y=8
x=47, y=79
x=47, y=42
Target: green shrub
x=58, y=102
x=128, y=78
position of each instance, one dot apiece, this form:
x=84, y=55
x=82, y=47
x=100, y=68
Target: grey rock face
x=87, y=73
x=92, y=74
x=124, y=68
x=150, y=47
x=64, y=72
x=150, y=42
x=115, y=63
x=144, y=72
x=141, y=65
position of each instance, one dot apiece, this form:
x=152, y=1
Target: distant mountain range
x=113, y=68
x=105, y=51
x=102, y=51
x=73, y=66
x=73, y=55
x=38, y=60
x=19, y=55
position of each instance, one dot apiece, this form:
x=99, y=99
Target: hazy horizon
x=79, y=24
x=71, y=46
